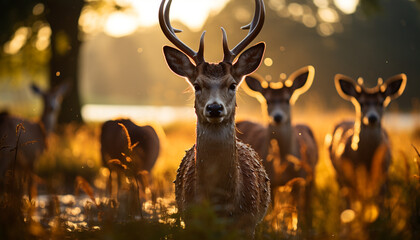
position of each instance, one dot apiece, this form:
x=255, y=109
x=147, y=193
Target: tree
x=62, y=17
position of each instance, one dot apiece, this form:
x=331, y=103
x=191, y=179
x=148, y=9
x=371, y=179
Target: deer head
x=51, y=102
x=279, y=96
x=214, y=84
x=370, y=102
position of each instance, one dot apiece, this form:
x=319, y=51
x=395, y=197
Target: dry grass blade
x=116, y=163
x=377, y=170
x=19, y=128
x=417, y=161
x=130, y=147
x=29, y=142
x=415, y=149
x=82, y=184
x=127, y=158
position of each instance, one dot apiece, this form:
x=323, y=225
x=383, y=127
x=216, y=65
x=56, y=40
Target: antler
x=254, y=29
x=169, y=32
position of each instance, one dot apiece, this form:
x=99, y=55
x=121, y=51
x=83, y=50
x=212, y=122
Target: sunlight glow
x=321, y=3
x=295, y=9
x=347, y=216
x=43, y=38
x=192, y=13
x=309, y=21
x=328, y=15
x=120, y=24
x=162, y=114
x=138, y=14
x=18, y=41
x=268, y=62
x=347, y=6
x=38, y=9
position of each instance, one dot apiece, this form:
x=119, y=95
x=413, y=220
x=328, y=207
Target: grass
x=73, y=163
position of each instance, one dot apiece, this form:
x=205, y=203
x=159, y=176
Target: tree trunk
x=63, y=17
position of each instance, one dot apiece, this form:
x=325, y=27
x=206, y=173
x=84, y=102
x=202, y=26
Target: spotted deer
x=359, y=149
x=288, y=151
x=219, y=168
x=122, y=139
x=33, y=136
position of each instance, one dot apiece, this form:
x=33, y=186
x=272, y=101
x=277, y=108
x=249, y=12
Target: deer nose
x=278, y=118
x=372, y=119
x=214, y=110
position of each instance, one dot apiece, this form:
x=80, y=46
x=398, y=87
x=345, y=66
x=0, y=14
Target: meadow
x=72, y=200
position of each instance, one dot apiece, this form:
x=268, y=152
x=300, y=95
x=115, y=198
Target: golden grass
x=74, y=158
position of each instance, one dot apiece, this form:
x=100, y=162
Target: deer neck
x=48, y=120
x=216, y=160
x=285, y=137
x=365, y=138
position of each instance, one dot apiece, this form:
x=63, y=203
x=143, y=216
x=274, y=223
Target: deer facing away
x=219, y=168
x=142, y=146
x=33, y=139
x=360, y=150
x=288, y=151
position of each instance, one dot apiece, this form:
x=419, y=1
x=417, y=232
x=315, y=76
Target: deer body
x=219, y=169
x=114, y=142
x=141, y=146
x=360, y=149
x=33, y=137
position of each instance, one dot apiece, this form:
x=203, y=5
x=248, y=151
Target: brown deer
x=288, y=151
x=360, y=150
x=140, y=144
x=33, y=136
x=219, y=168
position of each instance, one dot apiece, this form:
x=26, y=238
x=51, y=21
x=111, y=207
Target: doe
x=359, y=149
x=288, y=151
x=33, y=137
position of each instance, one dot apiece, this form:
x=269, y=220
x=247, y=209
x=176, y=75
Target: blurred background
x=111, y=51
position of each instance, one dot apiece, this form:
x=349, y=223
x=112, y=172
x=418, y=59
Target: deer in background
x=33, y=136
x=288, y=151
x=360, y=149
x=219, y=168
x=136, y=147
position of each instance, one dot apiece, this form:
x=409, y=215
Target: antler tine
x=254, y=29
x=169, y=32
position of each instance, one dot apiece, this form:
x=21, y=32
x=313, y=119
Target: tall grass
x=72, y=163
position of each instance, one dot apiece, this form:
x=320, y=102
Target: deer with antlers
x=219, y=168
x=31, y=140
x=360, y=150
x=288, y=151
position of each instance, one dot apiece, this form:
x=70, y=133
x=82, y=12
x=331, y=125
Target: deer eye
x=232, y=87
x=197, y=88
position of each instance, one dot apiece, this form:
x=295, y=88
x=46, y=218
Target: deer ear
x=63, y=88
x=249, y=61
x=36, y=89
x=346, y=87
x=253, y=84
x=302, y=81
x=394, y=86
x=178, y=62
x=303, y=78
